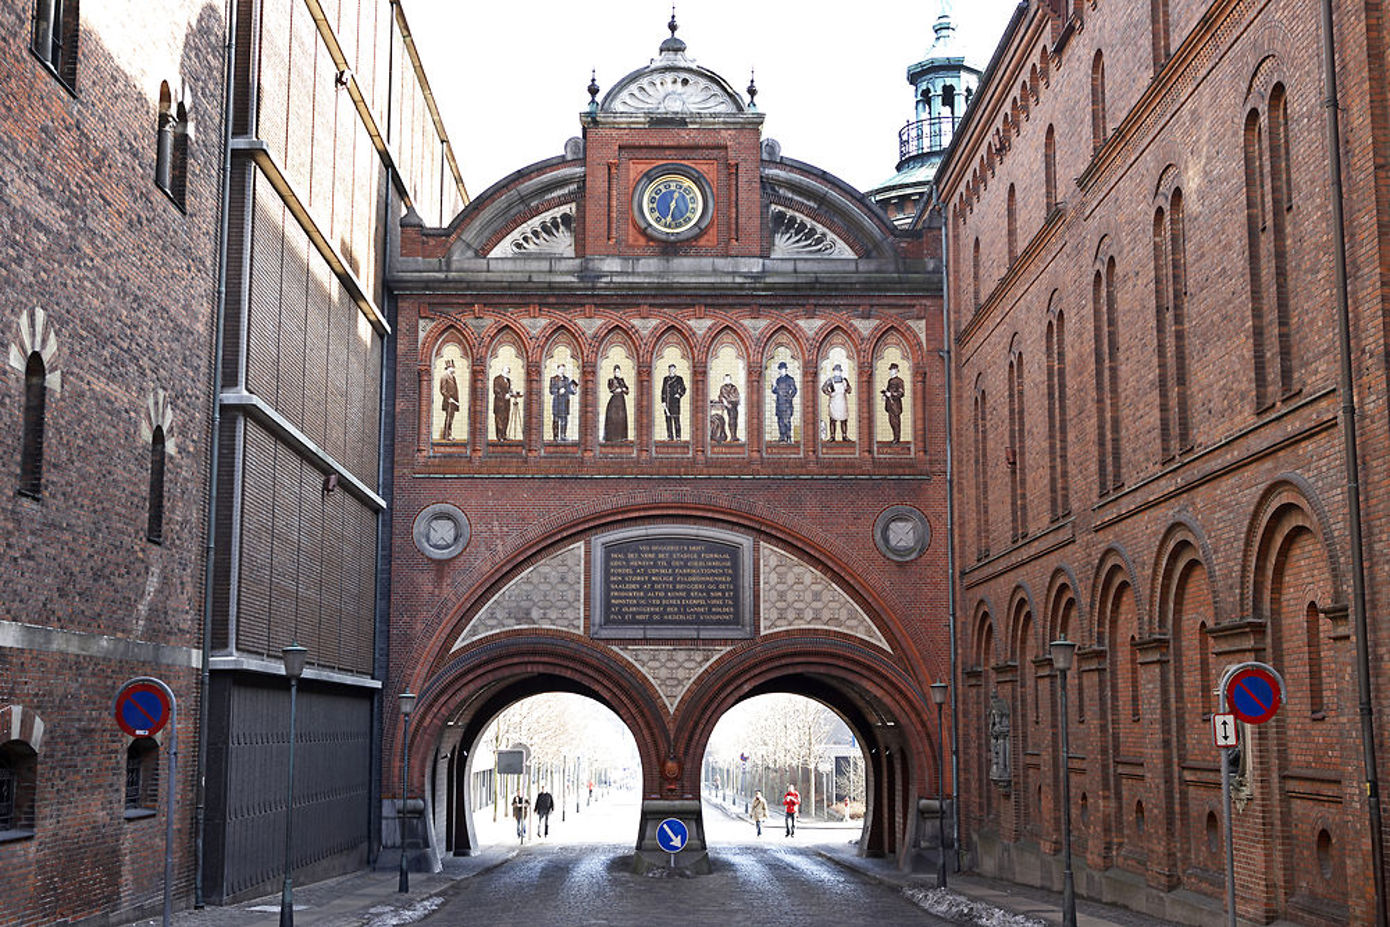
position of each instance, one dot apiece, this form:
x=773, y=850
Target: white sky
x=510, y=77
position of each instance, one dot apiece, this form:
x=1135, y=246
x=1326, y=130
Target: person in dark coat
x=728, y=395
x=893, y=395
x=449, y=391
x=521, y=810
x=615, y=416
x=672, y=390
x=784, y=388
x=545, y=803
x=561, y=389
x=503, y=397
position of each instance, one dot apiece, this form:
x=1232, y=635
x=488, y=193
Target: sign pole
x=142, y=708
x=1226, y=755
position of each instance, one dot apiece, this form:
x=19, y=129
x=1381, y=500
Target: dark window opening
x=54, y=38
x=18, y=774
x=154, y=529
x=141, y=777
x=35, y=400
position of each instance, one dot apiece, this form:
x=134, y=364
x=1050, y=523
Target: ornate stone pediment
x=549, y=234
x=794, y=235
x=674, y=92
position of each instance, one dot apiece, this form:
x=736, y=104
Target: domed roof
x=672, y=85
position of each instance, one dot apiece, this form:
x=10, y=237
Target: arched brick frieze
x=444, y=366
x=1033, y=785
x=879, y=700
x=1295, y=594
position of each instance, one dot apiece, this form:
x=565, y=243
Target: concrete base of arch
x=693, y=857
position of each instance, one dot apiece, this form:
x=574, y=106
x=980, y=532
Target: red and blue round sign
x=142, y=709
x=1254, y=693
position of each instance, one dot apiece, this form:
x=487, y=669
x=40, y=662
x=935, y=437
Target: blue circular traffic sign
x=1254, y=694
x=671, y=835
x=142, y=709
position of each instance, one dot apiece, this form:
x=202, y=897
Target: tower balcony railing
x=926, y=135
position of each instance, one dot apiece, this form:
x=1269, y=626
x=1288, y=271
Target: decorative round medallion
x=902, y=533
x=672, y=202
x=441, y=531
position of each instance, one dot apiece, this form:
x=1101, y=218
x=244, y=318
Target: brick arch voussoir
x=983, y=620
x=1183, y=542
x=1062, y=585
x=1021, y=608
x=1114, y=560
x=852, y=665
x=1289, y=504
x=447, y=329
x=514, y=657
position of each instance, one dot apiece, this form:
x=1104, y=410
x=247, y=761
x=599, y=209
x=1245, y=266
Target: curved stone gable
x=796, y=596
x=547, y=595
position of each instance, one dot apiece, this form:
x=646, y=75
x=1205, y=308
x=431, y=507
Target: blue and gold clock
x=672, y=202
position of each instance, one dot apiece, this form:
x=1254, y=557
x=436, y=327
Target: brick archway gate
x=536, y=626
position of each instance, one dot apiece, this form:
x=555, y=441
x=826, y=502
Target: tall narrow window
x=975, y=273
x=1063, y=481
x=31, y=454
x=1163, y=325
x=171, y=147
x=1158, y=14
x=1099, y=129
x=18, y=775
x=1050, y=171
x=1053, y=498
x=1177, y=288
x=1313, y=643
x=54, y=39
x=1206, y=683
x=1018, y=482
x=1267, y=202
x=1112, y=370
x=1012, y=225
x=1102, y=415
x=1134, y=703
x=154, y=528
x=981, y=477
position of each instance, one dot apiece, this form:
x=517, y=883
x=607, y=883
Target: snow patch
x=401, y=916
x=946, y=903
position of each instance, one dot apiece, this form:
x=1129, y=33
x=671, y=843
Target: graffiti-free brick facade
x=1151, y=457
x=793, y=273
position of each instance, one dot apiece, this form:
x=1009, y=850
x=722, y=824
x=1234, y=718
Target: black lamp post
x=1063, y=651
x=407, y=703
x=938, y=696
x=294, y=656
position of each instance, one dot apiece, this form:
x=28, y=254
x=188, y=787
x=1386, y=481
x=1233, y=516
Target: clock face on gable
x=672, y=202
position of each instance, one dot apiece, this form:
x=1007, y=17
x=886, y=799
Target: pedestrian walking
x=545, y=803
x=791, y=803
x=521, y=810
x=759, y=811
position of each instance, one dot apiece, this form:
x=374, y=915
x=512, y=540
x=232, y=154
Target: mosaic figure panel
x=728, y=382
x=838, y=400
x=671, y=378
x=893, y=408
x=618, y=375
x=781, y=405
x=451, y=378
x=561, y=412
x=506, y=373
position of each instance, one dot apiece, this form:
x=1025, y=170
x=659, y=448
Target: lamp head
x=1063, y=651
x=295, y=656
x=407, y=703
x=938, y=692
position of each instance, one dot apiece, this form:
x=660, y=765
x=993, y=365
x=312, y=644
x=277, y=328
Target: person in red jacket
x=791, y=802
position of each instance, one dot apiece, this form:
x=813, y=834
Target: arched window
x=154, y=527
x=1012, y=225
x=35, y=401
x=981, y=476
x=1049, y=172
x=141, y=777
x=1018, y=484
x=1099, y=128
x=18, y=776
x=1059, y=490
x=1268, y=199
x=1170, y=322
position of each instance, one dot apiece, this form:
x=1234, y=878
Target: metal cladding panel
x=331, y=795
x=263, y=306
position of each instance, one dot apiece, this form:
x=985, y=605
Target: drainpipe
x=214, y=447
x=1352, y=461
x=948, y=361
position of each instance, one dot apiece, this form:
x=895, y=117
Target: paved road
x=767, y=882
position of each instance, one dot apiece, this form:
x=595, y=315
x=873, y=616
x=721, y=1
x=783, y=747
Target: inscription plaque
x=672, y=582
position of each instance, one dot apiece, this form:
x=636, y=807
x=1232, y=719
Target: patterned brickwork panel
x=548, y=595
x=672, y=669
x=796, y=596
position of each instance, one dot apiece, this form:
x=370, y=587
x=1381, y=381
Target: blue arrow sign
x=671, y=835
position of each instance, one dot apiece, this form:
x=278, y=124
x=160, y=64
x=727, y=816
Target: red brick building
x=644, y=451
x=1153, y=454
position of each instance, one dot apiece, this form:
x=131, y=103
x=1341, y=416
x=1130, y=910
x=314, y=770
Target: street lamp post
x=1063, y=651
x=938, y=695
x=294, y=656
x=407, y=703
